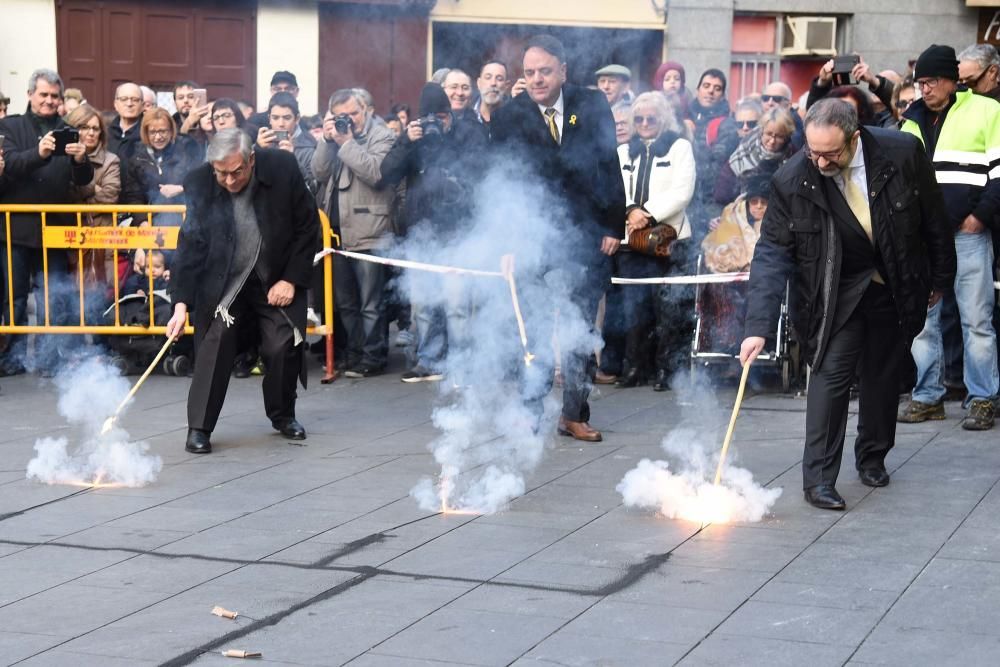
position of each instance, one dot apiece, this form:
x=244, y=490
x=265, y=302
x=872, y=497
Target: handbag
x=654, y=240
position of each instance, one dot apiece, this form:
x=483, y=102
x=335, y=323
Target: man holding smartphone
x=284, y=133
x=35, y=172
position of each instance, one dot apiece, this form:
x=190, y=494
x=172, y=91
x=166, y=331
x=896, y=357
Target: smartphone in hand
x=65, y=136
x=280, y=135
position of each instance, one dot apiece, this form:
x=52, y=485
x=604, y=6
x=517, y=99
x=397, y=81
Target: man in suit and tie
x=565, y=135
x=857, y=221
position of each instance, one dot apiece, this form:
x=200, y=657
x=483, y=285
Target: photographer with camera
x=285, y=133
x=438, y=156
x=44, y=160
x=348, y=162
x=850, y=70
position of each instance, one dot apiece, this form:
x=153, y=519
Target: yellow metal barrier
x=83, y=237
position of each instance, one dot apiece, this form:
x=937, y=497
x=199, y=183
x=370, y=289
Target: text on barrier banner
x=111, y=237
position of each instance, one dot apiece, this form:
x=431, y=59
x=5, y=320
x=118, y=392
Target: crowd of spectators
x=696, y=165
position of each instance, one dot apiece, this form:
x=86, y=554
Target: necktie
x=858, y=202
x=550, y=120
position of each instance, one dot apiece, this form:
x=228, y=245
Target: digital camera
x=431, y=125
x=343, y=123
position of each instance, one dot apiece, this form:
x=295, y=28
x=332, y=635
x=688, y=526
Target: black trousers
x=872, y=337
x=216, y=346
x=575, y=290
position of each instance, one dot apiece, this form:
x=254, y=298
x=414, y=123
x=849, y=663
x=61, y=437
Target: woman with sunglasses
x=902, y=97
x=760, y=153
x=659, y=173
x=748, y=112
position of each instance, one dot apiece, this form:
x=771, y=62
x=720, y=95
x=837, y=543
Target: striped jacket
x=964, y=147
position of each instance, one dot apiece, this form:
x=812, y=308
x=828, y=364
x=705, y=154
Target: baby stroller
x=720, y=310
x=134, y=353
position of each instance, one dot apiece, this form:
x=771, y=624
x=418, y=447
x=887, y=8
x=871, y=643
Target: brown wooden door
x=383, y=50
x=157, y=43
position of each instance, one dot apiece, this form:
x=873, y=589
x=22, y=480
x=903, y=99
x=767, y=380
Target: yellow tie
x=859, y=206
x=550, y=119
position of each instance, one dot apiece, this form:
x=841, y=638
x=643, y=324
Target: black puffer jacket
x=799, y=233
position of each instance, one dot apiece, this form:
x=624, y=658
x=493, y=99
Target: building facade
x=391, y=46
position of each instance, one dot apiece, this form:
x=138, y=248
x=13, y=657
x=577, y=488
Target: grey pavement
x=328, y=560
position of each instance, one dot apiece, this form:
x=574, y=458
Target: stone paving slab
x=330, y=562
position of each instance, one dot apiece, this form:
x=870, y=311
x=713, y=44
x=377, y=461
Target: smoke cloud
x=491, y=438
x=689, y=492
x=89, y=392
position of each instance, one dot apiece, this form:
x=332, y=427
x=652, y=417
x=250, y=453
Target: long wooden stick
x=507, y=270
x=109, y=422
x=732, y=421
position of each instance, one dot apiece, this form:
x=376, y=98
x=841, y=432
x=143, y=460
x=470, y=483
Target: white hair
x=229, y=142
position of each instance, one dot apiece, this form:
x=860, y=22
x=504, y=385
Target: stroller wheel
x=121, y=364
x=180, y=365
x=167, y=367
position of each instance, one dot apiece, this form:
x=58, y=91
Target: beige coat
x=364, y=210
x=104, y=189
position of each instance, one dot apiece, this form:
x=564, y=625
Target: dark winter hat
x=433, y=99
x=937, y=61
x=759, y=186
x=284, y=77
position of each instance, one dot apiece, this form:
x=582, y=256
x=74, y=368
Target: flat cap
x=615, y=70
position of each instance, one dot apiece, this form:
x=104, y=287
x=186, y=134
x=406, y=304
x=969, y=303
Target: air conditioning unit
x=809, y=36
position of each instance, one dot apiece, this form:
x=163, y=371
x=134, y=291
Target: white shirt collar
x=859, y=156
x=558, y=106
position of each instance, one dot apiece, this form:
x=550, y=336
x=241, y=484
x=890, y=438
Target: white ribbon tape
x=437, y=268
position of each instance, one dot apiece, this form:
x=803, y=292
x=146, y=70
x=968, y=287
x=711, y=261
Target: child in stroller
x=134, y=353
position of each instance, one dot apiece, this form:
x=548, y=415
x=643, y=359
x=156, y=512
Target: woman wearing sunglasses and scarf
x=659, y=174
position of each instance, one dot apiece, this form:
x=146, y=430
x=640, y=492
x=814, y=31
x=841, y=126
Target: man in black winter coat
x=438, y=160
x=35, y=175
x=245, y=251
x=857, y=222
x=565, y=135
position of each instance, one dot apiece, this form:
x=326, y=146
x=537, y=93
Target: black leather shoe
x=198, y=441
x=291, y=429
x=874, y=477
x=825, y=497
x=632, y=378
x=662, y=382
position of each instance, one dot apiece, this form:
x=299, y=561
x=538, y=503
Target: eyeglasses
x=773, y=136
x=747, y=124
x=129, y=100
x=224, y=115
x=829, y=156
x=90, y=128
x=927, y=83
x=235, y=174
x=773, y=98
x=646, y=120
x=903, y=104
x=159, y=133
